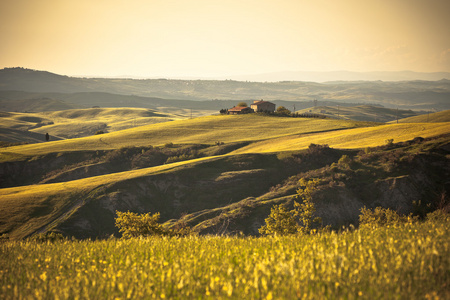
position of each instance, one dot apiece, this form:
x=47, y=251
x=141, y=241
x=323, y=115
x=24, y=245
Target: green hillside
x=37, y=103
x=437, y=117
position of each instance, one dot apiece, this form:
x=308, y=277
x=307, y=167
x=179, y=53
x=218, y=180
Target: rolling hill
x=221, y=173
x=74, y=123
x=357, y=138
x=203, y=130
x=19, y=101
x=436, y=117
x=14, y=136
x=361, y=113
x=36, y=104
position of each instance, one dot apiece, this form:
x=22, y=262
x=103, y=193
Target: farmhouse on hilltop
x=256, y=106
x=262, y=106
x=238, y=110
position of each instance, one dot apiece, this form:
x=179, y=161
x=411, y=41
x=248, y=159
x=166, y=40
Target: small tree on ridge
x=298, y=220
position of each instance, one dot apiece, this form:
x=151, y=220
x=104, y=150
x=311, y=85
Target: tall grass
x=406, y=262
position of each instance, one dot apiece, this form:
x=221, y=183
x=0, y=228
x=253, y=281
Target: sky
x=210, y=38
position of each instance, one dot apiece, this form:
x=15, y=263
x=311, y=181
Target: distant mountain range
x=344, y=76
x=413, y=94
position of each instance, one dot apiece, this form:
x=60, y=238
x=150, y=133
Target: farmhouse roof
x=239, y=108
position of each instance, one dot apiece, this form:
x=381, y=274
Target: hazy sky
x=175, y=38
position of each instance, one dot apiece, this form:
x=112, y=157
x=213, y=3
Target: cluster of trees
x=135, y=225
x=283, y=111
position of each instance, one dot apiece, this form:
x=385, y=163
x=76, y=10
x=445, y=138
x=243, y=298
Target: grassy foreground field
x=410, y=261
